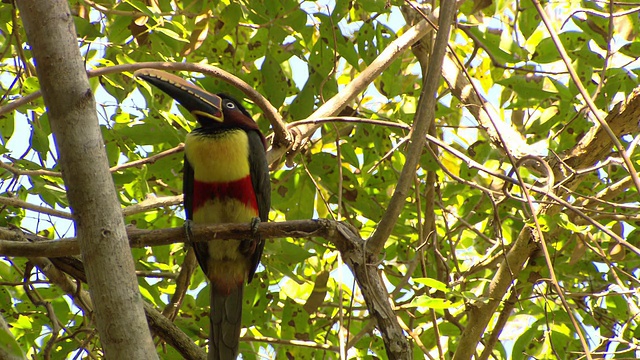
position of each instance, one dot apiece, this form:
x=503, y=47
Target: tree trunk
x=120, y=318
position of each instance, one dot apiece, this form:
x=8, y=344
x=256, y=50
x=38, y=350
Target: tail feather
x=226, y=323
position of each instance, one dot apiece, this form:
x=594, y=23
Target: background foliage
x=298, y=55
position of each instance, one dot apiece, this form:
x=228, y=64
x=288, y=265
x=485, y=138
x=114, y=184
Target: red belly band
x=241, y=190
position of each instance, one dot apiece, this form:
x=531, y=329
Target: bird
x=226, y=180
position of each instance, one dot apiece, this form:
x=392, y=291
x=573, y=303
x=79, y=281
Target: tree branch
x=41, y=246
x=423, y=119
x=169, y=332
x=281, y=134
x=596, y=144
x=148, y=160
x=337, y=103
x=302, y=343
x=12, y=201
x=18, y=172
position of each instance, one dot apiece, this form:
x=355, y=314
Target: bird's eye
x=230, y=105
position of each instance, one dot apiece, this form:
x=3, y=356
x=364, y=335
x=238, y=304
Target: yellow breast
x=218, y=158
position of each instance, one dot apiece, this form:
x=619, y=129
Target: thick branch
x=596, y=144
x=169, y=332
x=480, y=313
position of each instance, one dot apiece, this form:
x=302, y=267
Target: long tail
x=226, y=323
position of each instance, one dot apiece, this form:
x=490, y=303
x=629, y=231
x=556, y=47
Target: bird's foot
x=188, y=232
x=255, y=224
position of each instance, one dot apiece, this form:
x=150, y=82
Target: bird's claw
x=255, y=224
x=188, y=232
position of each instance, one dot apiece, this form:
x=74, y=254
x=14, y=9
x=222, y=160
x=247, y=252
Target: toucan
x=226, y=180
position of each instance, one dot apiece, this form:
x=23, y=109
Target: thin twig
x=9, y=201
x=301, y=343
x=19, y=172
x=148, y=160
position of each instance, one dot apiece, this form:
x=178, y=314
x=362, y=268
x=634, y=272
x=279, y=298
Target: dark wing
x=201, y=248
x=259, y=170
x=187, y=188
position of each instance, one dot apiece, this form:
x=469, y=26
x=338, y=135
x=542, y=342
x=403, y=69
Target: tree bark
x=119, y=314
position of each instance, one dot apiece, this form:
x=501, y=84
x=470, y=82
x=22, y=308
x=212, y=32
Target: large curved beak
x=198, y=101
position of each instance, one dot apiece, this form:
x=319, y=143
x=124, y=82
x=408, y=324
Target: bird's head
x=215, y=111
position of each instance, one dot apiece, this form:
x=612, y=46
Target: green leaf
x=9, y=346
x=171, y=34
x=547, y=52
x=40, y=139
x=7, y=127
x=374, y=5
x=304, y=103
x=229, y=19
x=86, y=29
x=594, y=28
x=284, y=256
x=275, y=82
x=527, y=87
x=31, y=85
x=501, y=51
x=432, y=283
x=367, y=48
x=631, y=49
x=295, y=194
x=528, y=20
x=425, y=301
